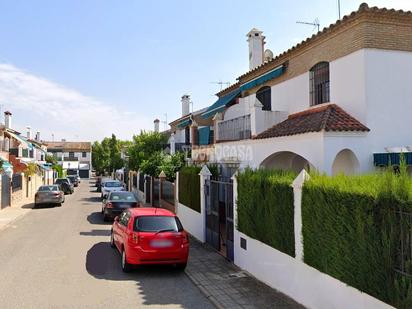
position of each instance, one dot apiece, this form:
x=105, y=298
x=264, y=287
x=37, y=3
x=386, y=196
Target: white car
x=111, y=186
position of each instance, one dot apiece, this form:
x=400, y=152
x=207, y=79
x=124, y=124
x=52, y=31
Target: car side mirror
x=116, y=219
x=104, y=201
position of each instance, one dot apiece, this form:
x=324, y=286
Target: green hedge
x=350, y=231
x=265, y=208
x=189, y=187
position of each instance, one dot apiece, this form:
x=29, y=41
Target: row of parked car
x=142, y=235
x=55, y=194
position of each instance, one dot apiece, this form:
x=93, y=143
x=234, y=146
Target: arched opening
x=286, y=160
x=264, y=96
x=345, y=162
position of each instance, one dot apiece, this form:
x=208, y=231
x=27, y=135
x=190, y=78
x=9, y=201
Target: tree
x=143, y=146
x=31, y=169
x=50, y=159
x=115, y=159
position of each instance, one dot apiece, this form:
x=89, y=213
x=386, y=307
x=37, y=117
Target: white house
x=337, y=102
x=75, y=157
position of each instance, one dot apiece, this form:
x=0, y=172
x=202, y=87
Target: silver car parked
x=49, y=195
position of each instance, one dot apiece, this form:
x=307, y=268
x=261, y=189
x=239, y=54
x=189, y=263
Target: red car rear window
x=157, y=223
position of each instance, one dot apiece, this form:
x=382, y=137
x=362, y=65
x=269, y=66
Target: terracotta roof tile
x=328, y=117
x=363, y=9
x=69, y=146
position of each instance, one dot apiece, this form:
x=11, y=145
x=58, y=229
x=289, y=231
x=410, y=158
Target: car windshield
x=61, y=180
x=48, y=188
x=112, y=184
x=122, y=196
x=157, y=224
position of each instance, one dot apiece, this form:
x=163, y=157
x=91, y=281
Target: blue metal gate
x=5, y=191
x=219, y=216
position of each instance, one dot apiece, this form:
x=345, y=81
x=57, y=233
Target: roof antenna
x=339, y=8
x=315, y=23
x=165, y=122
x=221, y=84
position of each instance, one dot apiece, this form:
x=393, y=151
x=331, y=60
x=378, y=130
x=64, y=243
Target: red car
x=149, y=236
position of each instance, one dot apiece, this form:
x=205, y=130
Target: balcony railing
x=234, y=129
x=70, y=159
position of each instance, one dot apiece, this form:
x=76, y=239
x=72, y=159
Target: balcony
x=70, y=159
x=234, y=129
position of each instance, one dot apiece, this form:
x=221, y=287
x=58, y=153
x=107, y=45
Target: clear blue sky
x=134, y=59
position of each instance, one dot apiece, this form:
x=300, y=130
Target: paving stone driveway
x=227, y=286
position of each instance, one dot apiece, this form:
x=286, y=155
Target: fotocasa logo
x=227, y=153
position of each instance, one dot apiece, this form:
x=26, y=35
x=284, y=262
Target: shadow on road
x=96, y=218
x=96, y=233
x=92, y=199
x=157, y=285
x=28, y=206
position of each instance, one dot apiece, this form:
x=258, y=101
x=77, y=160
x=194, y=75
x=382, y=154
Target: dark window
x=122, y=196
x=84, y=154
x=71, y=154
x=319, y=84
x=157, y=223
x=187, y=135
x=264, y=96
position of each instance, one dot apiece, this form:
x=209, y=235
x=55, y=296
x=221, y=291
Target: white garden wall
x=301, y=282
x=193, y=221
x=292, y=276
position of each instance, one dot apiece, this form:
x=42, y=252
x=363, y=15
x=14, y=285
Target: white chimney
x=256, y=48
x=156, y=125
x=7, y=119
x=28, y=132
x=38, y=136
x=185, y=105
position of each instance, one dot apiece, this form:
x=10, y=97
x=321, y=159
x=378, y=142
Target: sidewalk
x=10, y=214
x=227, y=286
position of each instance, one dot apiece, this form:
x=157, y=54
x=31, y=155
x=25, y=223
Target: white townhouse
x=340, y=101
x=75, y=157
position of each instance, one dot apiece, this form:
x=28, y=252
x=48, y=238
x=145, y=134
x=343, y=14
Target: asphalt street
x=60, y=258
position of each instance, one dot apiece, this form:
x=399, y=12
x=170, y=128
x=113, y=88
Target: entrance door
x=219, y=217
x=5, y=191
x=212, y=215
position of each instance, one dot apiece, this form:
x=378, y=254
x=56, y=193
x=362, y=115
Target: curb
x=14, y=220
x=203, y=290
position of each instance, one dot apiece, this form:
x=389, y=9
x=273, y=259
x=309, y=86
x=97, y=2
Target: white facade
x=371, y=85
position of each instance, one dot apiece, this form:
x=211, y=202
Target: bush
x=265, y=208
x=350, y=231
x=189, y=187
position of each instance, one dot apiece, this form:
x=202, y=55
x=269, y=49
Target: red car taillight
x=135, y=238
x=185, y=238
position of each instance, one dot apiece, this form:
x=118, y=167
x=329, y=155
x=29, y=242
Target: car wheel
x=112, y=240
x=126, y=267
x=181, y=266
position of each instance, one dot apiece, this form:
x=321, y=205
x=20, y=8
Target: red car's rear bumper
x=137, y=255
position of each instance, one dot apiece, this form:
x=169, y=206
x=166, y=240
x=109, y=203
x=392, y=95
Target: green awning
x=204, y=136
x=391, y=158
x=184, y=123
x=220, y=104
x=264, y=78
x=21, y=139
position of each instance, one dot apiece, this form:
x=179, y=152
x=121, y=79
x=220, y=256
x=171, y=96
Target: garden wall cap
x=162, y=175
x=205, y=171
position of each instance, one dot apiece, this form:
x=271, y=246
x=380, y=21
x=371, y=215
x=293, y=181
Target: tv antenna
x=221, y=84
x=165, y=122
x=339, y=8
x=315, y=23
